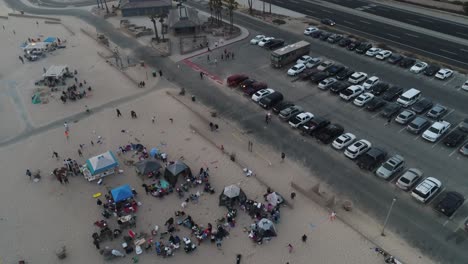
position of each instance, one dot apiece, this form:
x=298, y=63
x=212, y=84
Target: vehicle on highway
x=426, y=189
x=357, y=148
x=418, y=67
x=363, y=98
x=395, y=58
x=373, y=52
x=392, y=93
x=264, y=41
x=261, y=93
x=325, y=84
x=296, y=69
x=257, y=39
x=409, y=178
x=380, y=88
x=236, y=79
x=431, y=70
x=351, y=92
x=300, y=119
x=325, y=35
x=444, y=73
x=314, y=62
x=357, y=77
x=418, y=125
x=375, y=104
x=383, y=54
x=422, y=105
x=391, y=167
x=390, y=110
x=369, y=83
x=344, y=74
x=433, y=133
x=450, y=203
x=464, y=150
x=407, y=62
x=274, y=44
x=309, y=30
x=246, y=83
x=325, y=64
x=334, y=69
x=344, y=42
x=270, y=100
x=314, y=125
x=329, y=133
x=254, y=87
x=409, y=97
x=463, y=126
x=371, y=159
x=290, y=111
x=405, y=117
x=288, y=54
x=334, y=38
x=318, y=77
x=304, y=59
x=363, y=48
x=465, y=86
x=343, y=141
x=328, y=22
x=353, y=45
x=281, y=106
x=437, y=111
x=454, y=139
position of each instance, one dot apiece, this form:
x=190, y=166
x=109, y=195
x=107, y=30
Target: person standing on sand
x=153, y=119
x=283, y=155
x=28, y=173
x=118, y=112
x=55, y=154
x=290, y=248
x=21, y=59
x=80, y=153
x=304, y=238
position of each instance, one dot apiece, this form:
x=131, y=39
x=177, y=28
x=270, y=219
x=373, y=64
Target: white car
x=265, y=40
x=262, y=93
x=343, y=141
x=257, y=39
x=300, y=119
x=310, y=30
x=357, y=77
x=369, y=83
x=443, y=74
x=296, y=69
x=351, y=92
x=465, y=86
x=362, y=99
x=304, y=59
x=373, y=51
x=325, y=84
x=426, y=189
x=357, y=148
x=313, y=62
x=325, y=65
x=382, y=55
x=418, y=67
x=436, y=130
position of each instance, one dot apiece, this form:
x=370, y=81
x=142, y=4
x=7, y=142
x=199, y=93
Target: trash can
x=154, y=74
x=193, y=98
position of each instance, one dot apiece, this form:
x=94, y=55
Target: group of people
x=70, y=168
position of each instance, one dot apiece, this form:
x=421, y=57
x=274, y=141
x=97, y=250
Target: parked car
x=236, y=79
x=343, y=141
x=373, y=51
x=265, y=40
x=437, y=129
x=444, y=73
x=324, y=65
x=390, y=110
x=353, y=45
x=380, y=88
x=418, y=125
x=357, y=148
x=391, y=167
x=437, y=111
x=383, y=54
x=395, y=58
x=254, y=87
x=290, y=111
x=454, y=139
x=351, y=92
x=316, y=34
x=314, y=125
x=325, y=35
x=409, y=178
x=318, y=77
x=363, y=48
x=375, y=104
x=257, y=39
x=334, y=38
x=261, y=93
x=418, y=67
x=270, y=100
x=345, y=42
x=314, y=62
x=309, y=30
x=246, y=83
x=464, y=150
x=281, y=106
x=407, y=62
x=450, y=203
x=464, y=125
x=303, y=59
x=334, y=69
x=371, y=159
x=325, y=84
x=300, y=119
x=296, y=69
x=344, y=74
x=392, y=93
x=465, y=86
x=338, y=87
x=431, y=70
x=329, y=133
x=363, y=98
x=328, y=22
x=306, y=74
x=274, y=44
x=357, y=77
x=426, y=189
x=405, y=117
x=422, y=105
x=369, y=83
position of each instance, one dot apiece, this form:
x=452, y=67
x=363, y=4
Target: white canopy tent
x=56, y=71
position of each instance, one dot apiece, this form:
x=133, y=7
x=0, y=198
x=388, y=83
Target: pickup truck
x=437, y=129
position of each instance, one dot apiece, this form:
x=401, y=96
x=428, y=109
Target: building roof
x=183, y=17
x=129, y=4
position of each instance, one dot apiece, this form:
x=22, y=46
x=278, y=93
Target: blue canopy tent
x=50, y=39
x=102, y=163
x=122, y=193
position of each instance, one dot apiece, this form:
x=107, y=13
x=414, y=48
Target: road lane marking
x=323, y=10
x=448, y=51
x=465, y=50
x=395, y=36
x=365, y=22
x=464, y=34
x=310, y=11
x=347, y=22
x=412, y=35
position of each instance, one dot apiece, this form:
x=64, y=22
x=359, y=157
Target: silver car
x=289, y=112
x=405, y=117
x=409, y=178
x=392, y=166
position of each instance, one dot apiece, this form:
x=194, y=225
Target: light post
x=388, y=216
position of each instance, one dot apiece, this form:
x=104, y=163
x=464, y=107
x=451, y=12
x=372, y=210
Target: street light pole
x=388, y=216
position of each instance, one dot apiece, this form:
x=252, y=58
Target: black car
x=422, y=105
x=454, y=139
x=282, y=105
x=392, y=93
x=338, y=87
x=363, y=47
x=305, y=75
x=407, y=62
x=380, y=88
x=450, y=203
x=334, y=38
x=391, y=110
x=316, y=34
x=353, y=45
x=334, y=69
x=328, y=22
x=247, y=83
x=325, y=35
x=344, y=74
x=344, y=42
x=431, y=70
x=314, y=125
x=371, y=159
x=329, y=133
x=375, y=104
x=274, y=44
x=395, y=58
x=318, y=77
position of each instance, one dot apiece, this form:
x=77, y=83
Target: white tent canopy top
x=36, y=46
x=56, y=71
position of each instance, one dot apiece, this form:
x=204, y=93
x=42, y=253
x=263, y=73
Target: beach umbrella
x=273, y=198
x=231, y=191
x=146, y=166
x=266, y=228
x=154, y=152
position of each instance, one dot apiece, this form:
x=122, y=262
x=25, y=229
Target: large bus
x=289, y=53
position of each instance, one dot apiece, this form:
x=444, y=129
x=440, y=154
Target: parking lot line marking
x=454, y=213
x=453, y=152
x=374, y=116
x=412, y=35
x=437, y=195
x=446, y=51
x=395, y=36
x=465, y=50
x=347, y=22
x=451, y=111
x=449, y=81
x=365, y=22
x=446, y=222
x=401, y=130
x=460, y=33
x=416, y=137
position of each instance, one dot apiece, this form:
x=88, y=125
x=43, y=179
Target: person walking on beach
x=55, y=154
x=80, y=153
x=283, y=155
x=290, y=248
x=28, y=173
x=96, y=243
x=118, y=112
x=21, y=59
x=304, y=238
x=153, y=119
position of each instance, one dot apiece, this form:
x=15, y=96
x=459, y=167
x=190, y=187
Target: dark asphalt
x=418, y=224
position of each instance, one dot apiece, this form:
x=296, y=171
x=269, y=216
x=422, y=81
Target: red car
x=236, y=79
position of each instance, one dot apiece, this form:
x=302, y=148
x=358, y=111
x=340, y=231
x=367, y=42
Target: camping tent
x=122, y=193
x=174, y=170
x=266, y=228
x=274, y=199
x=145, y=167
x=102, y=163
x=230, y=195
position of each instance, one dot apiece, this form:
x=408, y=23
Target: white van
x=409, y=97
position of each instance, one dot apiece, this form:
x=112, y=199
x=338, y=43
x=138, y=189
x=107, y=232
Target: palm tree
x=231, y=5
x=99, y=6
x=219, y=11
x=152, y=18
x=161, y=20
x=211, y=6
x=107, y=8
x=250, y=3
